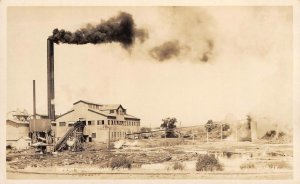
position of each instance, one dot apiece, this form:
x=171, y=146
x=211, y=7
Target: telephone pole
x=206, y=135
x=221, y=131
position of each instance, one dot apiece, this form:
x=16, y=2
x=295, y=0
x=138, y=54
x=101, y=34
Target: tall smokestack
x=50, y=79
x=34, y=102
x=116, y=29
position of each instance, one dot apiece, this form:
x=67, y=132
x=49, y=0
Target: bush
x=269, y=134
x=178, y=166
x=208, y=163
x=279, y=165
x=111, y=145
x=247, y=166
x=281, y=134
x=170, y=142
x=121, y=162
x=8, y=159
x=8, y=147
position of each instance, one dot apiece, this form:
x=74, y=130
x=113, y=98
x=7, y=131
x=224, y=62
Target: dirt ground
x=252, y=176
x=155, y=159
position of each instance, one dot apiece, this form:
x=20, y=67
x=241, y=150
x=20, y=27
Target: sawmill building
x=103, y=121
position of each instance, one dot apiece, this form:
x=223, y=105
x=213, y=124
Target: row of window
x=101, y=122
x=119, y=111
x=125, y=123
x=114, y=135
x=118, y=134
x=92, y=106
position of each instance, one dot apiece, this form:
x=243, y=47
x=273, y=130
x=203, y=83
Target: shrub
x=281, y=134
x=247, y=165
x=279, y=165
x=178, y=166
x=8, y=147
x=227, y=154
x=169, y=142
x=8, y=159
x=208, y=163
x=121, y=162
x=269, y=134
x=111, y=145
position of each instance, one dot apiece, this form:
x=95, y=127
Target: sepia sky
x=198, y=63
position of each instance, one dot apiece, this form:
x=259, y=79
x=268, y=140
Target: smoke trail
x=167, y=50
x=208, y=53
x=116, y=29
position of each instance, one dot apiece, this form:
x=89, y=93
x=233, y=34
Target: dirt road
x=211, y=175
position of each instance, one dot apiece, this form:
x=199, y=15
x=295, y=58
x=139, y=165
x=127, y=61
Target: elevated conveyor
x=76, y=134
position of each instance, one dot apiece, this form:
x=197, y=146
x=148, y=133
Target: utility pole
x=221, y=131
x=193, y=134
x=236, y=133
x=150, y=131
x=206, y=134
x=34, y=101
x=108, y=140
x=179, y=129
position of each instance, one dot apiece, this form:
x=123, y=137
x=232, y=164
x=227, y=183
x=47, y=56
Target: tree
x=210, y=125
x=249, y=119
x=145, y=129
x=169, y=124
x=225, y=127
x=215, y=129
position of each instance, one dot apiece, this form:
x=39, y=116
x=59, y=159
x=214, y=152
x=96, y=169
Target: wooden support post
x=206, y=135
x=108, y=140
x=193, y=135
x=221, y=132
x=179, y=130
x=236, y=134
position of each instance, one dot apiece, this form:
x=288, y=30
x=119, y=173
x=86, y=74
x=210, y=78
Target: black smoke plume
x=208, y=53
x=166, y=51
x=117, y=29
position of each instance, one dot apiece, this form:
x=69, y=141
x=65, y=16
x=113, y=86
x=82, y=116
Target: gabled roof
x=127, y=116
x=111, y=107
x=25, y=138
x=86, y=102
x=64, y=113
x=102, y=106
x=103, y=110
x=17, y=121
x=101, y=113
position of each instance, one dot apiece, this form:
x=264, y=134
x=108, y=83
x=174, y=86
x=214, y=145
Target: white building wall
x=78, y=113
x=22, y=143
x=94, y=131
x=101, y=134
x=15, y=131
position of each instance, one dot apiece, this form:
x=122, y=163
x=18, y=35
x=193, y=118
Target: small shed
x=22, y=143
